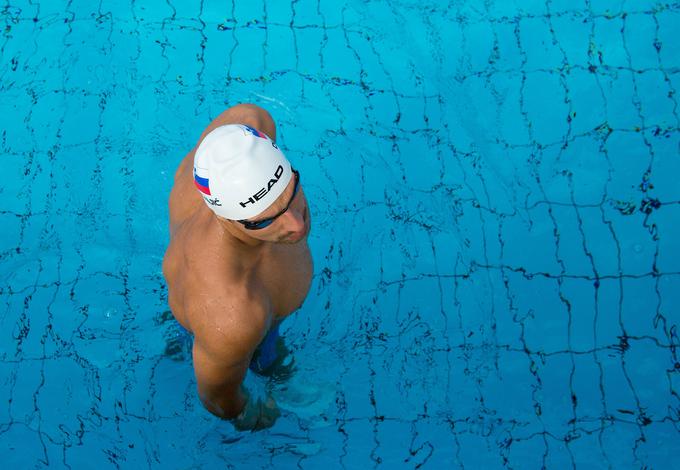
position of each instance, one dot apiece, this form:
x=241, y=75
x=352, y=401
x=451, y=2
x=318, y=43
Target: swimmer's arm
x=221, y=356
x=219, y=382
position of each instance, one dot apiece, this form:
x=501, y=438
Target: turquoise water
x=493, y=187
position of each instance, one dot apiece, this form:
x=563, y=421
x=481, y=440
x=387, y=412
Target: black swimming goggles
x=260, y=224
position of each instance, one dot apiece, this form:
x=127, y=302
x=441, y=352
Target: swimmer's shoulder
x=208, y=283
x=228, y=310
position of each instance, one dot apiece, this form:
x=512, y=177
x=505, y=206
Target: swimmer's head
x=240, y=171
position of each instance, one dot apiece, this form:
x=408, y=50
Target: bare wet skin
x=230, y=286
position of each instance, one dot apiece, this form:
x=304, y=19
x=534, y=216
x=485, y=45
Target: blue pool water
x=496, y=213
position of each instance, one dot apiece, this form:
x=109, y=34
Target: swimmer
x=238, y=262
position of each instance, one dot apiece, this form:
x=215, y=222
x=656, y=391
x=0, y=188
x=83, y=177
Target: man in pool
x=238, y=261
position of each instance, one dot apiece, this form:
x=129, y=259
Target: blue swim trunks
x=265, y=355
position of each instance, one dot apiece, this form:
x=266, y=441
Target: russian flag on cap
x=255, y=132
x=201, y=183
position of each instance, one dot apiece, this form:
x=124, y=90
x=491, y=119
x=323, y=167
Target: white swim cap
x=240, y=171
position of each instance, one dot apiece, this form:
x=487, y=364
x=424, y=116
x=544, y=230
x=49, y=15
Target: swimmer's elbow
x=224, y=405
x=219, y=378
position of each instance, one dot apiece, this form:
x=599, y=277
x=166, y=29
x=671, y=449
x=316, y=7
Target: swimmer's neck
x=237, y=238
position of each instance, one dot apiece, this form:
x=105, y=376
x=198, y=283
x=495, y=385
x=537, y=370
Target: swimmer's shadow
x=178, y=341
x=178, y=348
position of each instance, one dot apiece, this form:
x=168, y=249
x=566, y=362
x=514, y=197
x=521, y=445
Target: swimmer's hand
x=257, y=415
